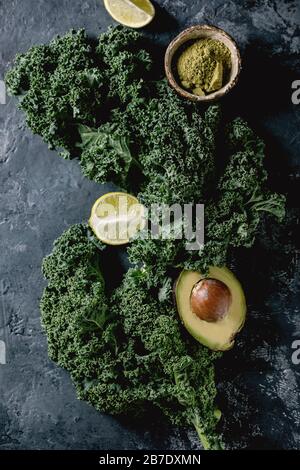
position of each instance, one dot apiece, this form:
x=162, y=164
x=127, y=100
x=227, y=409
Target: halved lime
x=116, y=218
x=132, y=13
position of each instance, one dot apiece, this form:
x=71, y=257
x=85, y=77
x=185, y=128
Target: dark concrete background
x=41, y=195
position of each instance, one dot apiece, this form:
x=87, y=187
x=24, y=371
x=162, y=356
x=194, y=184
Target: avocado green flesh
x=219, y=335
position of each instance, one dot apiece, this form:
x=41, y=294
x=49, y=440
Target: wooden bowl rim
x=170, y=76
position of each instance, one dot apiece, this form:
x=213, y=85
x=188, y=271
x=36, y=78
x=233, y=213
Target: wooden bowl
x=192, y=34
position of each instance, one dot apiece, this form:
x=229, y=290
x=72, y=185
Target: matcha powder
x=204, y=66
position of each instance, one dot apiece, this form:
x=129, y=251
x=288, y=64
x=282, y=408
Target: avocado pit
x=210, y=300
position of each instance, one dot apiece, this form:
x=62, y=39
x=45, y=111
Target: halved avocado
x=219, y=334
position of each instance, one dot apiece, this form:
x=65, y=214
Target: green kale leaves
x=71, y=82
x=100, y=103
x=128, y=350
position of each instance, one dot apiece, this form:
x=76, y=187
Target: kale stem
x=203, y=439
x=207, y=443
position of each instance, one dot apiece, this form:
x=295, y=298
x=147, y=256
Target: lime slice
x=132, y=13
x=116, y=218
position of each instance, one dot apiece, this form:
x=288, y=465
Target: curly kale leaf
x=128, y=350
x=70, y=82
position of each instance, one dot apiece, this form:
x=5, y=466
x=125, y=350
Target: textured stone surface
x=41, y=195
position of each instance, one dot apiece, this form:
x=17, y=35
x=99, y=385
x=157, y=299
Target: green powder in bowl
x=204, y=67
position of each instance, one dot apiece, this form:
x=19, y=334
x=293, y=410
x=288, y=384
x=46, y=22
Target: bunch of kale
x=97, y=103
x=126, y=350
